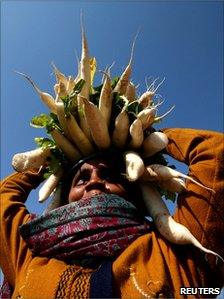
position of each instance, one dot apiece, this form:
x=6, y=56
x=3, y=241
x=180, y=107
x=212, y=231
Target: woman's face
x=97, y=177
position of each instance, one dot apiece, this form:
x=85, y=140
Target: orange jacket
x=151, y=266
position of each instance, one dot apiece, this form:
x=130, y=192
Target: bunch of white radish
x=84, y=119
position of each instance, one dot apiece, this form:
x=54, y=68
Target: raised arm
x=14, y=192
x=198, y=209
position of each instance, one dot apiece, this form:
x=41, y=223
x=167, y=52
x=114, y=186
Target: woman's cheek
x=76, y=194
x=117, y=189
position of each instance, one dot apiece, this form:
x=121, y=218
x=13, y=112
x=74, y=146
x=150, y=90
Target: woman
x=117, y=254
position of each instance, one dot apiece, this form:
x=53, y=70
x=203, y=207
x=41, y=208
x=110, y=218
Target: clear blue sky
x=179, y=40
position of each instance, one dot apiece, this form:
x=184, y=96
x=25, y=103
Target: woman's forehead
x=96, y=163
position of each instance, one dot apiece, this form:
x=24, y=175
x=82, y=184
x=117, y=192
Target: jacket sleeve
x=198, y=209
x=14, y=192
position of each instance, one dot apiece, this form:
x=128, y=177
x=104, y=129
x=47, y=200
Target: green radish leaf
x=45, y=142
x=70, y=104
x=64, y=98
x=40, y=121
x=133, y=107
x=54, y=163
x=57, y=159
x=78, y=86
x=53, y=123
x=119, y=101
x=114, y=82
x=57, y=153
x=47, y=173
x=55, y=118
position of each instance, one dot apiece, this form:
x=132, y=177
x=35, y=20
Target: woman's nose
x=95, y=178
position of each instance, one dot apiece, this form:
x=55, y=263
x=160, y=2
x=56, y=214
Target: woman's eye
x=108, y=174
x=105, y=173
x=83, y=178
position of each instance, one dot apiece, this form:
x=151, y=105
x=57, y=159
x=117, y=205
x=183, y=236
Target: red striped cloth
x=103, y=225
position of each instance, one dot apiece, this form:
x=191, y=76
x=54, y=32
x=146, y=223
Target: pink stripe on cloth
x=99, y=244
x=76, y=230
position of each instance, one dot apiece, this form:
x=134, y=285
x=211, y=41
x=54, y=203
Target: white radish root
x=130, y=93
x=122, y=84
x=136, y=132
x=147, y=117
x=121, y=130
x=66, y=146
x=159, y=118
x=61, y=91
x=173, y=185
x=31, y=159
x=146, y=99
x=78, y=76
x=165, y=173
x=78, y=136
x=149, y=175
x=49, y=185
x=85, y=74
x=56, y=201
x=93, y=67
x=56, y=91
x=70, y=85
x=85, y=64
x=134, y=165
x=154, y=88
x=97, y=125
x=170, y=229
x=60, y=77
x=105, y=101
x=82, y=117
x=154, y=143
